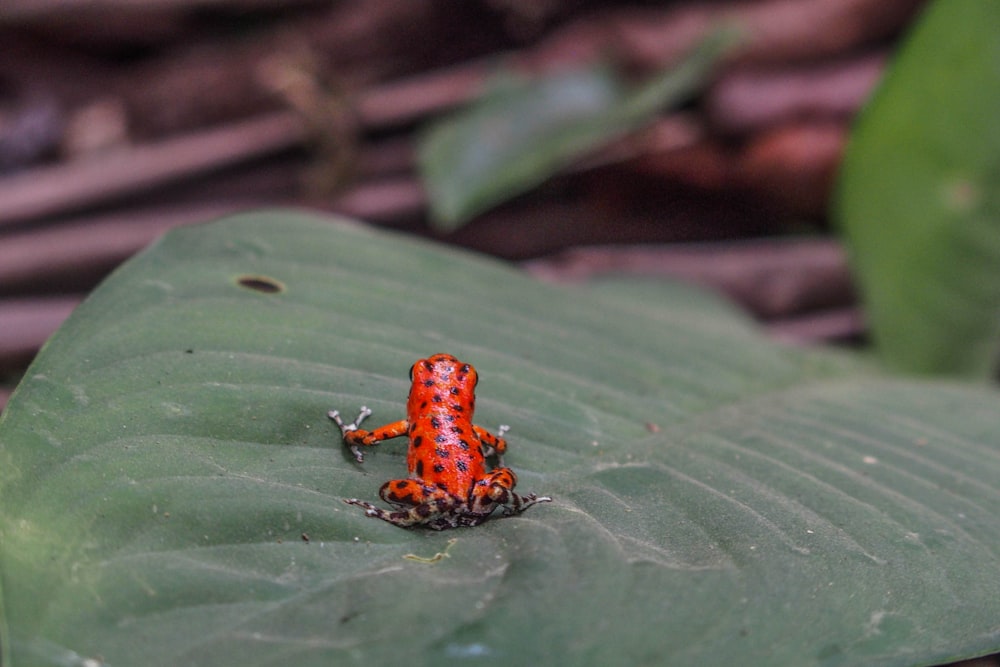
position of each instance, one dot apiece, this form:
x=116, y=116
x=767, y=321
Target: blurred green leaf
x=525, y=130
x=919, y=196
x=718, y=499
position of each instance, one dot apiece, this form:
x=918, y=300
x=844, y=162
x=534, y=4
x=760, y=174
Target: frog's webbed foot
x=353, y=426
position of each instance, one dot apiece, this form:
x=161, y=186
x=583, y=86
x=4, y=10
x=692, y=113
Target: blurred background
x=680, y=150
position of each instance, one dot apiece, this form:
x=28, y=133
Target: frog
x=450, y=482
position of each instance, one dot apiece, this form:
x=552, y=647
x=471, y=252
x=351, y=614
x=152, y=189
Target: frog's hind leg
x=497, y=488
x=404, y=493
x=518, y=503
x=437, y=515
x=415, y=505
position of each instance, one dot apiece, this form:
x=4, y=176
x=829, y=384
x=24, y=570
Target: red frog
x=448, y=485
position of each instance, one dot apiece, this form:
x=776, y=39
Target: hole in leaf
x=263, y=284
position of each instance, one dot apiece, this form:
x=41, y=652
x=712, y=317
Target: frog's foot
x=497, y=488
x=437, y=514
x=517, y=504
x=353, y=426
x=364, y=413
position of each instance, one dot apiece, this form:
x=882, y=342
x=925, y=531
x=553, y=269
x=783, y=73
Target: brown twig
x=835, y=325
x=748, y=100
x=38, y=10
x=56, y=190
x=26, y=323
x=77, y=253
x=358, y=42
x=774, y=31
x=383, y=200
x=771, y=278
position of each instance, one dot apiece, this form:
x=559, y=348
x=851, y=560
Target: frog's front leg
x=492, y=444
x=415, y=504
x=357, y=437
x=497, y=488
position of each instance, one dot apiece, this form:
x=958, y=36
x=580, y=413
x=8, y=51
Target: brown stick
x=839, y=324
x=12, y=10
x=746, y=101
x=770, y=278
x=77, y=253
x=27, y=323
x=48, y=191
x=775, y=31
x=385, y=200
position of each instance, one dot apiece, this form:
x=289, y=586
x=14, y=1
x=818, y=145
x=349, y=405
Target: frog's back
x=444, y=449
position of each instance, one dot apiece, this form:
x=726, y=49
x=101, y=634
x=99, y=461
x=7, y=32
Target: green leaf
x=919, y=196
x=718, y=499
x=524, y=131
